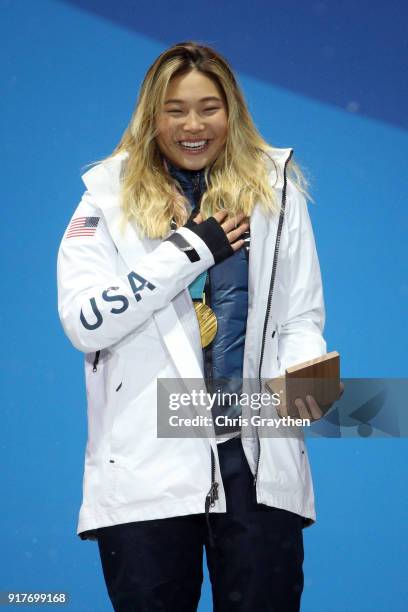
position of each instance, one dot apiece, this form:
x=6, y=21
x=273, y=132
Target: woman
x=192, y=206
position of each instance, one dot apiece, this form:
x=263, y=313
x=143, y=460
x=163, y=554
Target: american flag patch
x=82, y=226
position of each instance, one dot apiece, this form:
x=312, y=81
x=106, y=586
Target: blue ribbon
x=196, y=288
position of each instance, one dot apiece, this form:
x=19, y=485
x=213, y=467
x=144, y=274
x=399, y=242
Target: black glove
x=211, y=232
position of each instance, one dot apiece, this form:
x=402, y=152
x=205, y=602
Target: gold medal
x=207, y=322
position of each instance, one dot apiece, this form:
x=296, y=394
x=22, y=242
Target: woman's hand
x=309, y=409
x=233, y=227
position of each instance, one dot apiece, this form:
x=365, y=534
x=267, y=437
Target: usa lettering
x=135, y=278
x=138, y=285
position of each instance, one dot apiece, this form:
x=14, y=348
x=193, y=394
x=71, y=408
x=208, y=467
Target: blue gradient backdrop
x=329, y=81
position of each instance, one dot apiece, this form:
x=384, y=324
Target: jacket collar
x=192, y=182
x=275, y=162
x=187, y=178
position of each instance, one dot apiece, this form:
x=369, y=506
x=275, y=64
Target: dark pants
x=255, y=566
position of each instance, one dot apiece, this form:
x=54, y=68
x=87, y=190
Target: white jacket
x=137, y=311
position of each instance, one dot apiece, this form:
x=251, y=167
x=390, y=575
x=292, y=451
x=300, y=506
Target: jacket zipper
x=95, y=362
x=196, y=181
x=211, y=498
x=196, y=188
x=212, y=494
x=269, y=304
x=208, y=350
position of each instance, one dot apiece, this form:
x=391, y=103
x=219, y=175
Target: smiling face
x=192, y=124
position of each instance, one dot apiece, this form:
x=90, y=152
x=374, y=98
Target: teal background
x=328, y=81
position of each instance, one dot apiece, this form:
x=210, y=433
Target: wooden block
x=318, y=377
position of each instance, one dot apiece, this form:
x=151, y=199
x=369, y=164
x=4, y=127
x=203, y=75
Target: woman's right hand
x=233, y=227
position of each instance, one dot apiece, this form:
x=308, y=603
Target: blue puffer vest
x=226, y=291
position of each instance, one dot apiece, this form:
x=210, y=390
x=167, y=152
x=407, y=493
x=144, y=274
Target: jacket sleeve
x=98, y=307
x=300, y=333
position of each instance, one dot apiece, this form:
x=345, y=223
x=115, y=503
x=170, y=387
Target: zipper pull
x=196, y=181
x=96, y=360
x=212, y=495
x=257, y=461
x=196, y=191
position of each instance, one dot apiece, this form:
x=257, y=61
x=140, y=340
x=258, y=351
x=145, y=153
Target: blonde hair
x=236, y=180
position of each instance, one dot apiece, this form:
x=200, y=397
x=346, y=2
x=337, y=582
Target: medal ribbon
x=196, y=288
